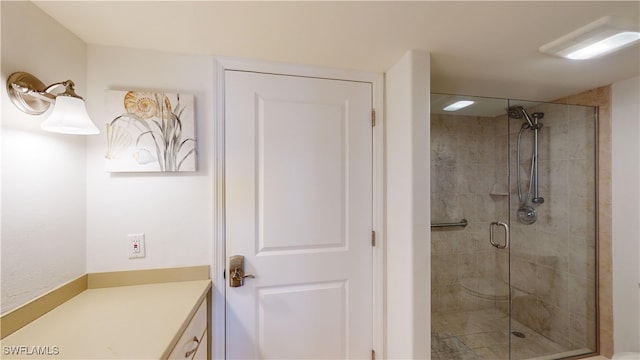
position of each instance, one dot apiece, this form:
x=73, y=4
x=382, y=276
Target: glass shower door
x=529, y=168
x=553, y=229
x=470, y=213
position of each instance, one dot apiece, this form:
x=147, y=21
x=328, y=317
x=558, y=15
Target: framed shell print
x=150, y=131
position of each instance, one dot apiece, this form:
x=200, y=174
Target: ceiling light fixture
x=602, y=47
x=31, y=96
x=601, y=37
x=461, y=104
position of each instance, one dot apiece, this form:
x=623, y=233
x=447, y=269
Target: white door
x=298, y=199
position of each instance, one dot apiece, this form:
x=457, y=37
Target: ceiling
x=477, y=48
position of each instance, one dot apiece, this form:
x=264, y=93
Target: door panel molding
x=222, y=64
x=324, y=293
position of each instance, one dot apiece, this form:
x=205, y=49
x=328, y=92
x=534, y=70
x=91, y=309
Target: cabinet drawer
x=190, y=340
x=201, y=354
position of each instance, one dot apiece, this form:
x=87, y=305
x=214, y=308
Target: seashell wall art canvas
x=149, y=131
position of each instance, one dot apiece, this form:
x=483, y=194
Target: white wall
x=625, y=132
x=43, y=174
x=408, y=216
x=174, y=210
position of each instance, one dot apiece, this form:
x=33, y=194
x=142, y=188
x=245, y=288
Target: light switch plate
x=136, y=246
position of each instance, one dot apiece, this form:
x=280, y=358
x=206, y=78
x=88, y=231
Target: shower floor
x=484, y=335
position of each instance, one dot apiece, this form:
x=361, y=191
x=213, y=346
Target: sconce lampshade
x=31, y=96
x=69, y=116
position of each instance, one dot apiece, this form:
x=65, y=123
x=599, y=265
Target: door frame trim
x=218, y=256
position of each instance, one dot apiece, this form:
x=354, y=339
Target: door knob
x=236, y=271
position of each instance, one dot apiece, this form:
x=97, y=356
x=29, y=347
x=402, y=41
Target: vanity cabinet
x=194, y=340
x=149, y=321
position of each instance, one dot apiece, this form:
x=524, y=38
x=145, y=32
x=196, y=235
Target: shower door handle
x=506, y=234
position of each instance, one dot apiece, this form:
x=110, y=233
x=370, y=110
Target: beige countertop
x=123, y=322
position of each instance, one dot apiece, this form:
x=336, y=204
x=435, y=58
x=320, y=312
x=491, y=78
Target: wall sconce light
x=31, y=96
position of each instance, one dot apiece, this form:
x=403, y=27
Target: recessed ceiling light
x=458, y=105
x=601, y=37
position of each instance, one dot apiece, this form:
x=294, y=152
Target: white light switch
x=136, y=246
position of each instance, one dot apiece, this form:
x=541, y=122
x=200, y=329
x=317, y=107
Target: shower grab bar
x=462, y=223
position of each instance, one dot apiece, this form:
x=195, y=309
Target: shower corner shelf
x=494, y=193
x=499, y=190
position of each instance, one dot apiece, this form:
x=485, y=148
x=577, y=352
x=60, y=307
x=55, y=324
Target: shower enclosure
x=513, y=234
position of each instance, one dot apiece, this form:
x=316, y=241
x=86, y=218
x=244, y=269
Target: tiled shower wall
x=468, y=154
x=552, y=261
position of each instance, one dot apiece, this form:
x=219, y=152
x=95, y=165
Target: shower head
x=518, y=112
x=536, y=117
x=515, y=112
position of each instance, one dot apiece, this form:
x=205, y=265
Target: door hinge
x=373, y=238
x=373, y=117
x=373, y=355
